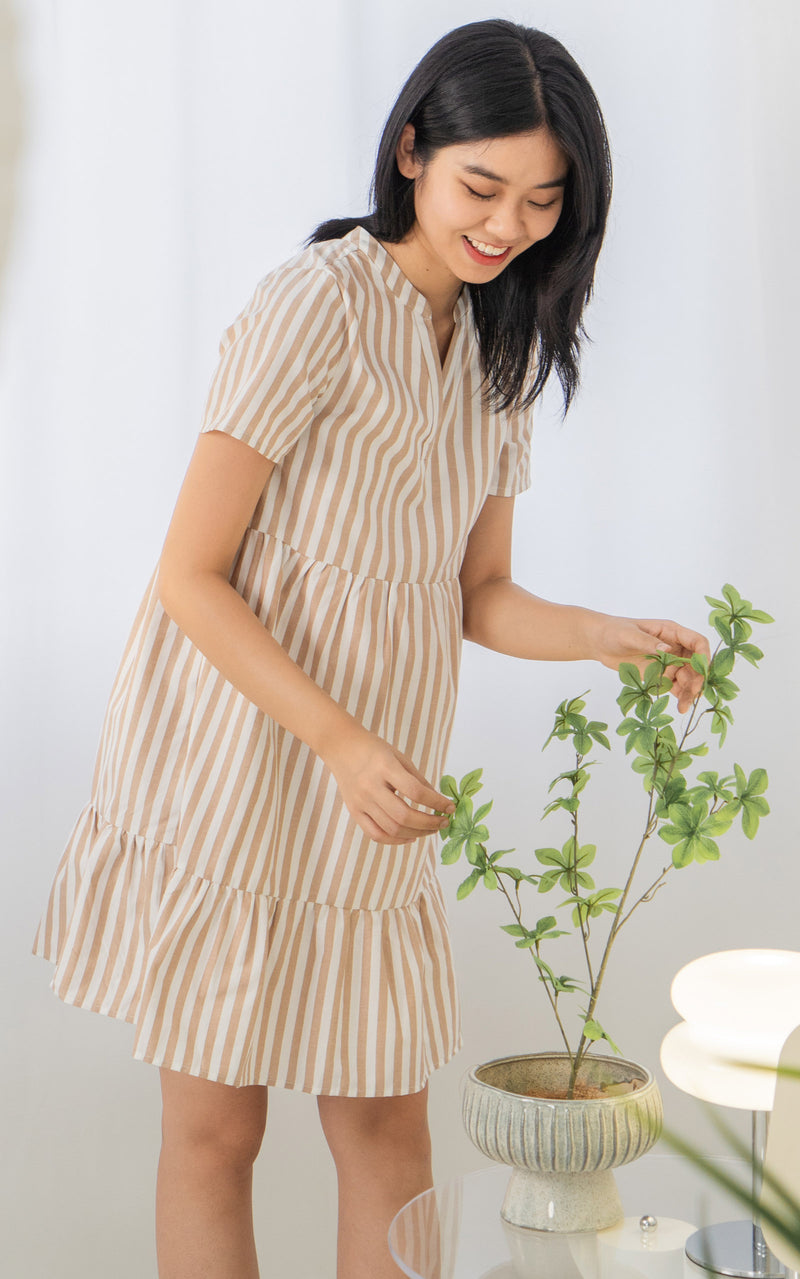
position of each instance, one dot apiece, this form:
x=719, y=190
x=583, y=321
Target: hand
x=380, y=785
x=626, y=639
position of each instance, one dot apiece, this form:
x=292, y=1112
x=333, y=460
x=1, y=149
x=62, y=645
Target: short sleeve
x=276, y=358
x=512, y=473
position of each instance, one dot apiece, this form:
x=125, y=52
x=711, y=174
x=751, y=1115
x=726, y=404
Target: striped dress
x=216, y=892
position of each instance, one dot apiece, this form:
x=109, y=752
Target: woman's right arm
x=222, y=486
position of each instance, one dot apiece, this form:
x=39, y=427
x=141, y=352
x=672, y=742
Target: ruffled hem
x=241, y=988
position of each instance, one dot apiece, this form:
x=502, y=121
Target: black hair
x=494, y=79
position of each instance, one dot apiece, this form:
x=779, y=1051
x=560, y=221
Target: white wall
x=174, y=153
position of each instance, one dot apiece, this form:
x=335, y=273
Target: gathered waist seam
x=340, y=568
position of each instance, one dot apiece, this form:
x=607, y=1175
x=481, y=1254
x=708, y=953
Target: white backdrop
x=174, y=151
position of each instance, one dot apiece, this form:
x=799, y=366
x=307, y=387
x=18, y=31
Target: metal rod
x=760, y=1124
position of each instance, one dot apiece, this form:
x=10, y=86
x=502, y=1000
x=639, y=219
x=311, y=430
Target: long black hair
x=493, y=79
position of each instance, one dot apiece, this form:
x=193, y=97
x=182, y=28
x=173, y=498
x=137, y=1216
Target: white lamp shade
x=738, y=1006
x=703, y=1073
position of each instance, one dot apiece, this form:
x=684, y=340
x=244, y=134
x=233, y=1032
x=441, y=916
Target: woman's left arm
x=501, y=615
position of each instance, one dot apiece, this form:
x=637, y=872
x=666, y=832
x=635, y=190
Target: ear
x=406, y=163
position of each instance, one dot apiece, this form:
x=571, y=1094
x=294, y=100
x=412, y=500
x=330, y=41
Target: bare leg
x=211, y=1134
x=382, y=1150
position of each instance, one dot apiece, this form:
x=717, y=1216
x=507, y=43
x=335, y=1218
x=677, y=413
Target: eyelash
x=532, y=203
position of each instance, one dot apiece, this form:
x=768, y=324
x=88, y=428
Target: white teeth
x=488, y=249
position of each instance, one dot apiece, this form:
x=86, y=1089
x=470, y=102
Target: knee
x=390, y=1128
x=223, y=1132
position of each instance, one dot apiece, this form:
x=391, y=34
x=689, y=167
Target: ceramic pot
x=562, y=1152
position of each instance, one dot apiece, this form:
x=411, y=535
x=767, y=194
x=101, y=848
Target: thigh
x=205, y=1112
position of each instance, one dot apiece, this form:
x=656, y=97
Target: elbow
x=176, y=588
x=469, y=617
x=166, y=592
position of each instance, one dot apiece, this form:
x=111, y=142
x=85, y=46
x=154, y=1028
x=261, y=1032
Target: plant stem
x=648, y=895
x=584, y=923
x=616, y=924
x=552, y=997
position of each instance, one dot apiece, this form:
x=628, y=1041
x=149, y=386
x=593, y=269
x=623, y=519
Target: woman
x=253, y=884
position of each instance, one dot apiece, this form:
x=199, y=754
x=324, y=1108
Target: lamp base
x=733, y=1248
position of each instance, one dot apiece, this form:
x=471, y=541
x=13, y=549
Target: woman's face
x=480, y=204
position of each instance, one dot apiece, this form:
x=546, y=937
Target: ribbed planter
x=562, y=1152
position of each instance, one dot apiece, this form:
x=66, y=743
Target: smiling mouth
x=485, y=252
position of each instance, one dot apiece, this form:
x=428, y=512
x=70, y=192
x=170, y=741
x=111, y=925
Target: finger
x=376, y=831
x=680, y=639
x=408, y=781
x=404, y=815
x=394, y=831
x=687, y=686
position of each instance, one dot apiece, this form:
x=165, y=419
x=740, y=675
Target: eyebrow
x=495, y=177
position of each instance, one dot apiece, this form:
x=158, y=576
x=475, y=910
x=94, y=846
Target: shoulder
x=319, y=270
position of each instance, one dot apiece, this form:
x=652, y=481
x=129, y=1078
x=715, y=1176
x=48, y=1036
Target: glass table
x=455, y=1231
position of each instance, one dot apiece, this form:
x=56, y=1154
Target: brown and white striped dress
x=216, y=892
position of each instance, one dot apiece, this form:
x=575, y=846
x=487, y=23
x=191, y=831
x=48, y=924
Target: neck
x=440, y=289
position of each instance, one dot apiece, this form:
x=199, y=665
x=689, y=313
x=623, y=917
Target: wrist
x=335, y=733
x=590, y=630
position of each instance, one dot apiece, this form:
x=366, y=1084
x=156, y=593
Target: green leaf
x=717, y=823
x=758, y=615
x=758, y=782
x=752, y=811
x=483, y=810
x=517, y=875
x=466, y=886
x=549, y=857
x=501, y=852
x=544, y=924
x=475, y=853
x=629, y=674
x=681, y=855
x=490, y=878
x=448, y=786
x=452, y=851
x=594, y=1031
x=722, y=626
x=471, y=784
x=597, y=730
x=724, y=662
x=750, y=653
x=549, y=880
x=514, y=930
x=699, y=663
x=567, y=985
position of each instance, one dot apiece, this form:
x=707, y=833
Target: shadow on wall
x=11, y=129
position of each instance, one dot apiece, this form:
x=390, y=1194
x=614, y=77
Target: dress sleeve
x=276, y=359
x=512, y=473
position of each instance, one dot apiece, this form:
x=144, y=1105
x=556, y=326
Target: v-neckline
x=416, y=302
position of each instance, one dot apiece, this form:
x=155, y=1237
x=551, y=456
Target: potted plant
x=553, y=1115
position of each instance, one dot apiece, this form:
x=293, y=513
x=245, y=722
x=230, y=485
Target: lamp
x=738, y=1006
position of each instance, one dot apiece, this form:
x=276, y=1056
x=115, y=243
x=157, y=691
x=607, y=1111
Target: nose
x=505, y=225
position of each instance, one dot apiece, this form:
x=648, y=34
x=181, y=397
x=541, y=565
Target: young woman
x=253, y=884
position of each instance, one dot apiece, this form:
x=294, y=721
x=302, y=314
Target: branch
x=552, y=997
x=583, y=923
x=646, y=896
